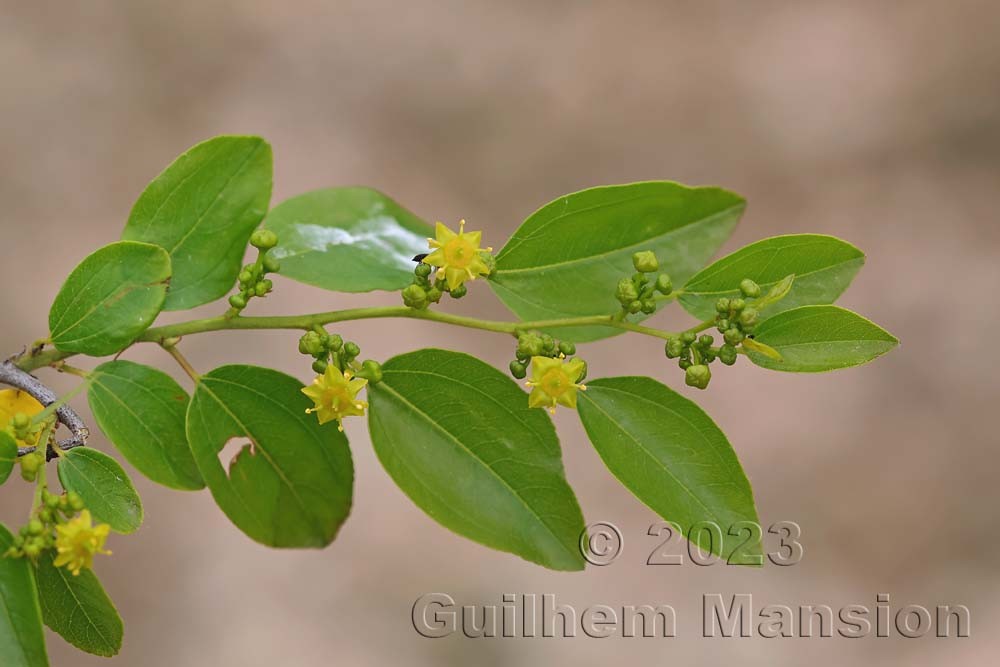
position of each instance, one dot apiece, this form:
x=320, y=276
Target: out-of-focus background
x=878, y=122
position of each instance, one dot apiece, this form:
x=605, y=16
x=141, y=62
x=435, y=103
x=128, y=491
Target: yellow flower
x=457, y=255
x=554, y=381
x=334, y=394
x=78, y=540
x=13, y=401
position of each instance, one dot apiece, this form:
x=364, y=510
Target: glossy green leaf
x=672, y=456
x=202, y=209
x=8, y=455
x=813, y=339
x=567, y=257
x=105, y=488
x=22, y=639
x=823, y=267
x=78, y=609
x=458, y=438
x=347, y=239
x=290, y=483
x=142, y=411
x=110, y=298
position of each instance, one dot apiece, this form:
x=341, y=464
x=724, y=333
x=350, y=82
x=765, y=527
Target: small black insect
x=419, y=258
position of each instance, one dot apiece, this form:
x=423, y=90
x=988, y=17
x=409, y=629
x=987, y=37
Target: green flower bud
x=708, y=355
x=698, y=376
x=21, y=420
x=648, y=306
x=75, y=501
x=334, y=342
x=529, y=345
x=727, y=355
x=35, y=527
x=262, y=288
x=371, y=371
x=674, y=348
x=263, y=239
x=30, y=463
x=548, y=343
x=635, y=306
x=733, y=336
x=722, y=305
x=271, y=265
x=663, y=284
x=459, y=291
x=414, y=296
x=46, y=515
x=238, y=301
x=684, y=364
x=245, y=278
x=434, y=294
x=50, y=500
x=723, y=324
x=626, y=292
x=351, y=350
x=583, y=372
x=567, y=348
x=737, y=305
x=705, y=341
x=748, y=317
x=320, y=366
x=750, y=289
x=311, y=343
x=518, y=369
x=423, y=270
x=689, y=337
x=32, y=550
x=645, y=261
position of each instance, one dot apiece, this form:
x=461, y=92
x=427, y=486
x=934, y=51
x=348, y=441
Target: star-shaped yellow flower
x=457, y=255
x=554, y=381
x=334, y=394
x=78, y=540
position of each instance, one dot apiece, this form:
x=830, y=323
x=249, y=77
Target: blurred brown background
x=875, y=121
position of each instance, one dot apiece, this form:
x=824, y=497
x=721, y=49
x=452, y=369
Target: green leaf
x=22, y=639
x=8, y=455
x=672, y=456
x=567, y=257
x=813, y=339
x=290, y=484
x=78, y=609
x=823, y=267
x=105, y=488
x=347, y=240
x=202, y=209
x=457, y=436
x=142, y=410
x=109, y=299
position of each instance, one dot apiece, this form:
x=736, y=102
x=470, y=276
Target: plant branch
x=307, y=322
x=12, y=375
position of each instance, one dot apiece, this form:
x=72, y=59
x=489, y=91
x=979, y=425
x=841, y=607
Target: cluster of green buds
x=252, y=280
x=332, y=350
x=735, y=319
x=426, y=289
x=638, y=294
x=26, y=431
x=535, y=344
x=39, y=534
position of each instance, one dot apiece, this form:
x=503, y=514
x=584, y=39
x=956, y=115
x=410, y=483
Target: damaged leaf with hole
x=290, y=481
